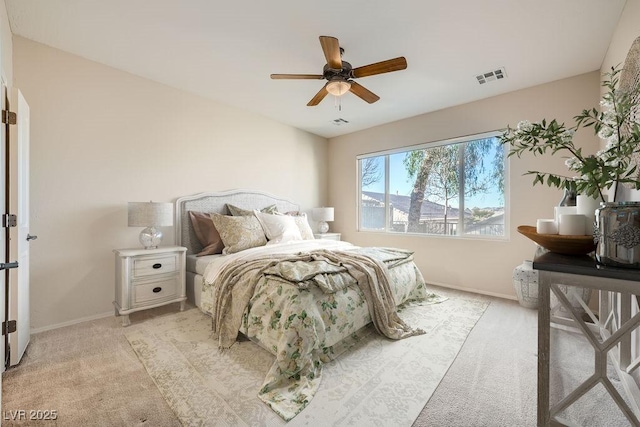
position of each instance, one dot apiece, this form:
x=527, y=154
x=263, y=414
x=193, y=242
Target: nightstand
x=147, y=278
x=327, y=236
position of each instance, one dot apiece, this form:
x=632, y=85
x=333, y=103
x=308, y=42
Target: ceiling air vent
x=491, y=76
x=339, y=122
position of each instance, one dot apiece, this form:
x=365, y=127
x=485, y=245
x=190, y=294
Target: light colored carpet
x=378, y=382
x=493, y=380
x=495, y=370
x=90, y=375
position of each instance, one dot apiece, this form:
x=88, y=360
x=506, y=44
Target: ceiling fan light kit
x=340, y=74
x=338, y=87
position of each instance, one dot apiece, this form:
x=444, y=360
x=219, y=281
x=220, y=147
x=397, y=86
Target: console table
x=610, y=334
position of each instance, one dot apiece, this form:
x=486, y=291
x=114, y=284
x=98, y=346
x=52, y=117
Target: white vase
x=587, y=205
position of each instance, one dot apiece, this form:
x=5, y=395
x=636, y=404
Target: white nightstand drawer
x=146, y=293
x=155, y=265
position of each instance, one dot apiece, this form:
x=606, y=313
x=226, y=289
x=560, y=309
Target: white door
x=19, y=244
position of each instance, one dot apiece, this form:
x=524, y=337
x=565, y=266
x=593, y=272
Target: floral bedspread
x=303, y=308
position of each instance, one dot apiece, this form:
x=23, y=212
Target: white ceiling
x=226, y=50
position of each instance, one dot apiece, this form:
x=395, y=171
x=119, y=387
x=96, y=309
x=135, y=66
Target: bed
x=305, y=301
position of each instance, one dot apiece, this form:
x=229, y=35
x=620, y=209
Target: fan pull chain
x=337, y=102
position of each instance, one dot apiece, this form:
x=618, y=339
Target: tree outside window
x=443, y=188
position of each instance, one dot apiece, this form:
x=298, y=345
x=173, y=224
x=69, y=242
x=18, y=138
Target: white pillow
x=278, y=228
x=302, y=223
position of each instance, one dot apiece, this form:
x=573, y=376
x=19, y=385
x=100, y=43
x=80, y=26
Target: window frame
x=427, y=145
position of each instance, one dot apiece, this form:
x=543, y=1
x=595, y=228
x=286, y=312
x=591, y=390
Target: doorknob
x=30, y=237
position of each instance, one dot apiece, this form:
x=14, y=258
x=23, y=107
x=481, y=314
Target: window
x=452, y=188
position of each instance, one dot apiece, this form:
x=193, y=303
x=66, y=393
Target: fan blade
x=363, y=92
x=331, y=49
x=395, y=64
x=318, y=97
x=297, y=76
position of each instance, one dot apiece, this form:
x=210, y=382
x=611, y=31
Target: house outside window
x=449, y=188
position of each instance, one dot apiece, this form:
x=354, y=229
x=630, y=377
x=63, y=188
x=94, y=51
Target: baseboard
x=72, y=322
x=473, y=290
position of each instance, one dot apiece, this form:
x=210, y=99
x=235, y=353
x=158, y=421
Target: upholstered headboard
x=216, y=202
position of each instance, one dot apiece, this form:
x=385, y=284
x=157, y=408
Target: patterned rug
x=377, y=382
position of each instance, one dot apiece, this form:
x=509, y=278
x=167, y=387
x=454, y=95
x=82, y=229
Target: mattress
x=197, y=264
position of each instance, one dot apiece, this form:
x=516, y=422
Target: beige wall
x=102, y=137
x=480, y=265
x=6, y=46
x=627, y=31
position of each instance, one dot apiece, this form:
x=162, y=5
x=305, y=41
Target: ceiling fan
x=340, y=74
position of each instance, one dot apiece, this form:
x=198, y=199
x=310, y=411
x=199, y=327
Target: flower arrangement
x=593, y=173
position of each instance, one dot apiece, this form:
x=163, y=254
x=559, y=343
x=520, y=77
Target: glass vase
x=568, y=198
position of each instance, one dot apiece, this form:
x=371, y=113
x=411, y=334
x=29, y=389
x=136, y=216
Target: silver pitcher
x=618, y=234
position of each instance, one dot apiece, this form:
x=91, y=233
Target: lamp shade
x=323, y=214
x=150, y=214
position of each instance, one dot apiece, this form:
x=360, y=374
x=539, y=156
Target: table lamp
x=150, y=215
x=323, y=215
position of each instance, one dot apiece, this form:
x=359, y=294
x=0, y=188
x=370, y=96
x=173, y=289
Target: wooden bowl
x=570, y=245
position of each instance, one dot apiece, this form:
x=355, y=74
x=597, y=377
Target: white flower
x=524, y=126
x=572, y=163
x=609, y=118
x=606, y=132
x=615, y=162
x=606, y=104
x=567, y=135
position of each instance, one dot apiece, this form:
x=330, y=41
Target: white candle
x=587, y=206
x=546, y=226
x=571, y=225
x=559, y=210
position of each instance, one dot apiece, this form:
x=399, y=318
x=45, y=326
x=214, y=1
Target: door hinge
x=8, y=265
x=9, y=220
x=9, y=117
x=9, y=327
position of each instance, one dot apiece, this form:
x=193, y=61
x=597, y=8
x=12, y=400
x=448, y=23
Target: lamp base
x=150, y=237
x=323, y=227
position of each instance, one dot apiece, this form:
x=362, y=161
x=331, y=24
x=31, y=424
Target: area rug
x=377, y=382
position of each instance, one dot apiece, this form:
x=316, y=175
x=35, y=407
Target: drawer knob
x=157, y=289
x=156, y=266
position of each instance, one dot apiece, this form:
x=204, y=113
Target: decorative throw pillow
x=236, y=211
x=278, y=228
x=206, y=233
x=239, y=232
x=303, y=224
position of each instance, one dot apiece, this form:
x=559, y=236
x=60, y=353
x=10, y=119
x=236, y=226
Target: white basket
x=525, y=283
